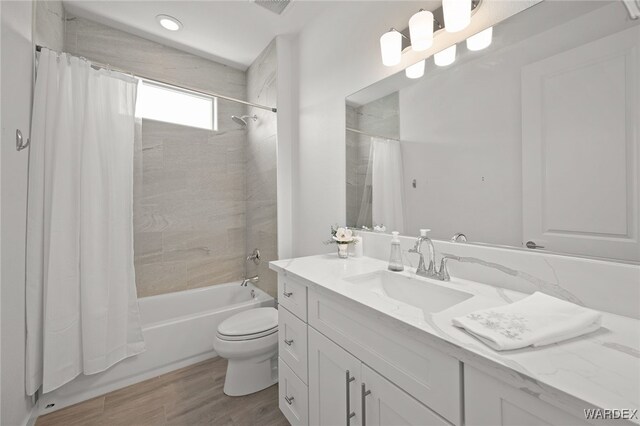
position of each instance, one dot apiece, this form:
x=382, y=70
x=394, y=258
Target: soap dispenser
x=395, y=258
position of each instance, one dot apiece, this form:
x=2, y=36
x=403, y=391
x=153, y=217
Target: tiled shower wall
x=261, y=167
x=189, y=195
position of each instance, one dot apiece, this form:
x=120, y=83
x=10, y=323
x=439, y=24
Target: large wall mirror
x=533, y=139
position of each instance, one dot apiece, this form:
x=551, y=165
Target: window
x=161, y=102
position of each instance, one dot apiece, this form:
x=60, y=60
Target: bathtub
x=178, y=330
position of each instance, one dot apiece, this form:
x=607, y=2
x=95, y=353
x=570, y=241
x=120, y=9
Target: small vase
x=343, y=251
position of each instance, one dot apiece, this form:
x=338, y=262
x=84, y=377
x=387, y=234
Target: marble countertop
x=598, y=370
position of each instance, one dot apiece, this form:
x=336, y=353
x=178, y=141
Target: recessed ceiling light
x=169, y=22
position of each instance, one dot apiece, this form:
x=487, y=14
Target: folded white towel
x=536, y=320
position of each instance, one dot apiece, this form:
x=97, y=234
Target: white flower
x=343, y=235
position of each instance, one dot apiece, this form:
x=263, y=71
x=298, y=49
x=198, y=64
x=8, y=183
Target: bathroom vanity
x=363, y=346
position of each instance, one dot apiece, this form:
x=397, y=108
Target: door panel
x=580, y=149
x=328, y=398
x=490, y=402
x=387, y=404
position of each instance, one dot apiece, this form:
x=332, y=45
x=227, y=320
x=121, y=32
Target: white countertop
x=598, y=370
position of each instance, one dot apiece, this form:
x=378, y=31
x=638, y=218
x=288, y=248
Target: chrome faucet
x=252, y=280
x=423, y=270
x=442, y=273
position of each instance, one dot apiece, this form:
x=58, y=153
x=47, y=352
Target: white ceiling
x=232, y=32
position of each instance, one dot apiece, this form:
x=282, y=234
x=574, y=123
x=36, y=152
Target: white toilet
x=249, y=340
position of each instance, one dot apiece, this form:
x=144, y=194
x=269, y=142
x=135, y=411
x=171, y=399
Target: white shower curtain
x=82, y=310
x=387, y=203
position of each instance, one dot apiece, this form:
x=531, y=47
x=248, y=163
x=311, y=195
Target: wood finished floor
x=189, y=396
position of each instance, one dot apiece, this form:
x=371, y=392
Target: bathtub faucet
x=252, y=280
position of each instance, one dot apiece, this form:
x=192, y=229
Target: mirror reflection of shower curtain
x=364, y=215
x=384, y=178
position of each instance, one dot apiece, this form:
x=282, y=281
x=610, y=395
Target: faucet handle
x=423, y=232
x=443, y=273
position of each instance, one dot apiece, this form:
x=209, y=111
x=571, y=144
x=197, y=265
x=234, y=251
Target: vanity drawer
x=292, y=294
x=292, y=344
x=293, y=396
x=427, y=374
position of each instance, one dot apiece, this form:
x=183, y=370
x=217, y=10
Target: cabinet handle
x=288, y=342
x=365, y=392
x=289, y=400
x=350, y=414
x=287, y=294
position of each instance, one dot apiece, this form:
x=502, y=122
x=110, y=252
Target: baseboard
x=63, y=401
x=30, y=420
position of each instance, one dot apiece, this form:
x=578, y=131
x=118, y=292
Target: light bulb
x=421, y=30
x=391, y=48
x=169, y=22
x=457, y=14
x=416, y=70
x=445, y=57
x=480, y=41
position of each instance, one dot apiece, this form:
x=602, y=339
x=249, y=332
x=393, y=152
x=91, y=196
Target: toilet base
x=246, y=376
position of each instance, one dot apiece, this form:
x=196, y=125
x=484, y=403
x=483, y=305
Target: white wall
x=287, y=83
x=338, y=55
x=16, y=64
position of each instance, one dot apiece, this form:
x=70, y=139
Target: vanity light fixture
x=457, y=15
x=169, y=22
x=416, y=70
x=480, y=41
x=391, y=47
x=424, y=26
x=421, y=30
x=445, y=57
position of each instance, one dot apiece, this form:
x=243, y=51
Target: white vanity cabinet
x=490, y=402
x=344, y=362
x=357, y=370
x=334, y=383
x=343, y=390
x=386, y=404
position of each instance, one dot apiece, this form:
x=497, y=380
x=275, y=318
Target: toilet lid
x=250, y=322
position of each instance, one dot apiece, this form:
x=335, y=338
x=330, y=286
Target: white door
x=334, y=383
x=580, y=149
x=490, y=402
x=385, y=404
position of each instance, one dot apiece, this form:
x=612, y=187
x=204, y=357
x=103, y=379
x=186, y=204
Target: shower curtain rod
x=350, y=129
x=179, y=86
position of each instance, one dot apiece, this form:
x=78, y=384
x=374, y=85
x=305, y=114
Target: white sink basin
x=418, y=292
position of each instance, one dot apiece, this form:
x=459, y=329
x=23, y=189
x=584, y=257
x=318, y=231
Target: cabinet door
x=334, y=383
x=489, y=402
x=386, y=404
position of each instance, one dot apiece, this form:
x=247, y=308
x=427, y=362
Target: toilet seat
x=247, y=336
x=249, y=325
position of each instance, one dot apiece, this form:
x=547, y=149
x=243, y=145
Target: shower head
x=243, y=120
